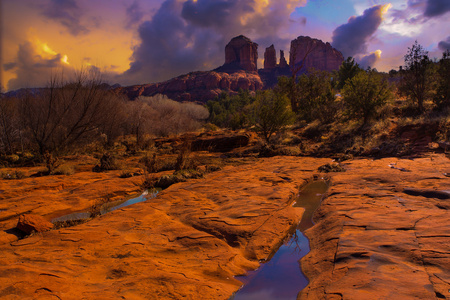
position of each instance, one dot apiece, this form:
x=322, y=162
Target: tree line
x=68, y=115
x=349, y=93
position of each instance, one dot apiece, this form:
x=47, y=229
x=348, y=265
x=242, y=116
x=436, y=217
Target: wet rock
x=30, y=223
x=374, y=237
x=427, y=193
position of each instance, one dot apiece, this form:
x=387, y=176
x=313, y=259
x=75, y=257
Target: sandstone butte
x=382, y=232
x=240, y=71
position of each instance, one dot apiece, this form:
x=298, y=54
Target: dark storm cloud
x=351, y=38
x=205, y=13
x=185, y=36
x=67, y=13
x=134, y=14
x=444, y=45
x=436, y=8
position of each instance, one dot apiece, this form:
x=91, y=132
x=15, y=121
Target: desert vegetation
x=349, y=111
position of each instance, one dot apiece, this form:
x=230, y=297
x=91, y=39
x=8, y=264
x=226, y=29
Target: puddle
x=281, y=277
x=106, y=208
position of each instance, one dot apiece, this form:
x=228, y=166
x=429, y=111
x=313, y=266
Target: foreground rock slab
x=382, y=232
x=187, y=243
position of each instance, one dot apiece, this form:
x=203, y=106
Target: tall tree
x=416, y=77
x=442, y=97
x=347, y=70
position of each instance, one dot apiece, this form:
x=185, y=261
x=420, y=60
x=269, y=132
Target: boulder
x=270, y=58
x=315, y=54
x=33, y=223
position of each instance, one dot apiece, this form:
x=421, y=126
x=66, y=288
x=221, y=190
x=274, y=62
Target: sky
x=145, y=41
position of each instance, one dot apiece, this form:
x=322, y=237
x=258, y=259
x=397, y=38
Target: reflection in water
x=281, y=278
x=107, y=207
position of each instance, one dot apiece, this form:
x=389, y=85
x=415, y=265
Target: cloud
x=134, y=13
x=444, y=45
x=188, y=35
x=34, y=65
x=351, y=38
x=436, y=8
x=67, y=13
x=369, y=60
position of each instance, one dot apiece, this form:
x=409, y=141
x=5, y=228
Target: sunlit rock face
x=198, y=86
x=270, y=58
x=315, y=53
x=241, y=54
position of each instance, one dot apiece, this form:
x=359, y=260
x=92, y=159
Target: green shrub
x=365, y=93
x=272, y=112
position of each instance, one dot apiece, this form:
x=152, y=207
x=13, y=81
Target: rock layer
x=187, y=243
x=197, y=86
x=314, y=54
x=377, y=238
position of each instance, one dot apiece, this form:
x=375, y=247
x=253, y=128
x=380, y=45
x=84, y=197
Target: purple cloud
x=351, y=38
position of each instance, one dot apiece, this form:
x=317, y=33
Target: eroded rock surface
x=187, y=243
x=382, y=233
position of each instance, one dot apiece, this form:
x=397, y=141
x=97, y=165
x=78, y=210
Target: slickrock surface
x=383, y=232
x=187, y=243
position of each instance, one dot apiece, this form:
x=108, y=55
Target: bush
x=13, y=175
x=231, y=111
x=107, y=162
x=442, y=97
x=316, y=97
x=365, y=93
x=272, y=112
x=416, y=82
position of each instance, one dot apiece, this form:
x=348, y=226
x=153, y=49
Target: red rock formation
x=241, y=54
x=197, y=86
x=283, y=62
x=33, y=223
x=317, y=54
x=270, y=58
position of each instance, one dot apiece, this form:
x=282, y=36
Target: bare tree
x=10, y=131
x=65, y=114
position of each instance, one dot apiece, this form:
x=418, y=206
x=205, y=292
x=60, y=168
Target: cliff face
x=270, y=58
x=315, y=53
x=197, y=86
x=241, y=54
x=240, y=71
